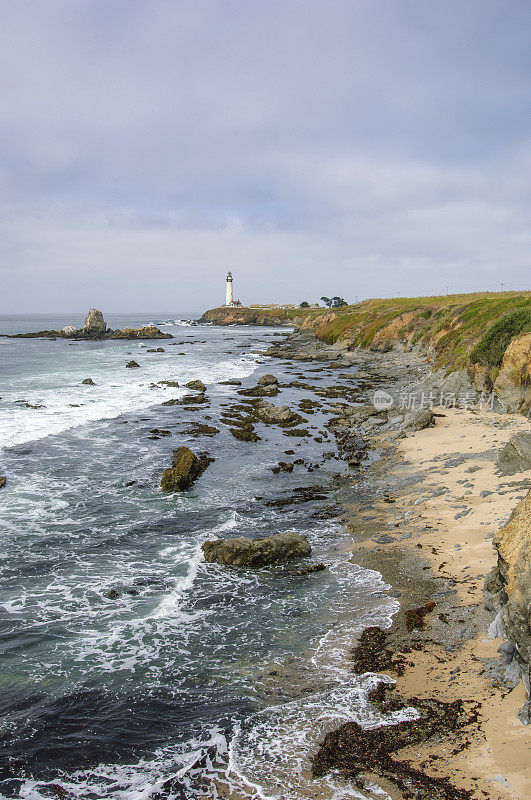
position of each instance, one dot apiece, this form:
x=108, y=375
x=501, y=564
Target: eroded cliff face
x=513, y=384
x=508, y=591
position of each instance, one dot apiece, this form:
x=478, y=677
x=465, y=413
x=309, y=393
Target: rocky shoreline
x=443, y=619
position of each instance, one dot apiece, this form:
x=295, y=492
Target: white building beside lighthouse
x=229, y=294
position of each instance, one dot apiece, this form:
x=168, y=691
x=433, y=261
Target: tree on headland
x=334, y=302
x=304, y=304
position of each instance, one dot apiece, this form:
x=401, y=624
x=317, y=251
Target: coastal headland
x=436, y=500
x=483, y=338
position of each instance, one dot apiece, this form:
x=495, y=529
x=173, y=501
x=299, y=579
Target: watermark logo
x=413, y=400
x=382, y=400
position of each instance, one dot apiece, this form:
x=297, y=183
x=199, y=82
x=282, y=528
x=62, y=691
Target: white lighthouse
x=229, y=297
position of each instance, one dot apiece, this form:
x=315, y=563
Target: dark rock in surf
x=244, y=552
x=284, y=466
x=310, y=570
x=185, y=469
x=88, y=382
x=260, y=391
x=197, y=386
x=193, y=399
x=276, y=415
x=245, y=434
x=3, y=481
x=268, y=380
x=131, y=364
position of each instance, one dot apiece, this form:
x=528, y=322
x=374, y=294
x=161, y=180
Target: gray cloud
x=357, y=148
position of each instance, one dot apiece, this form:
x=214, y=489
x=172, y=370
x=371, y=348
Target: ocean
x=130, y=668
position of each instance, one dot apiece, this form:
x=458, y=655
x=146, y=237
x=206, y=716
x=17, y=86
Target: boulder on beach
x=94, y=325
x=197, y=386
x=418, y=419
x=516, y=455
x=185, y=469
x=131, y=364
x=244, y=552
x=88, y=382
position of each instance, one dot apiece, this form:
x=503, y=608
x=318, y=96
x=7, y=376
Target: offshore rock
x=245, y=434
x=276, y=415
x=185, y=469
x=3, y=481
x=88, y=382
x=95, y=327
x=131, y=364
x=267, y=380
x=243, y=552
x=94, y=323
x=516, y=455
x=198, y=386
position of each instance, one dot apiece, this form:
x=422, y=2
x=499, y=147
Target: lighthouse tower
x=229, y=298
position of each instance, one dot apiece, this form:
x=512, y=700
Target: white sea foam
x=63, y=403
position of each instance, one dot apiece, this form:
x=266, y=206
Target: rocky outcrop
x=516, y=455
x=88, y=382
x=145, y=332
x=268, y=380
x=243, y=552
x=245, y=434
x=185, y=469
x=94, y=325
x=254, y=316
x=132, y=364
x=3, y=481
x=197, y=386
x=369, y=419
x=513, y=384
x=276, y=415
x=508, y=591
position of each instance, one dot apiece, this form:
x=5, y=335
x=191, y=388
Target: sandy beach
x=440, y=550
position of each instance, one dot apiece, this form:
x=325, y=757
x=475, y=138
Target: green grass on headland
x=460, y=329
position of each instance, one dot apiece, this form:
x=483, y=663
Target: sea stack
x=94, y=325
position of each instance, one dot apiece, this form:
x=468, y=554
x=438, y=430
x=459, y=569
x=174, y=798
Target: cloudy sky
x=351, y=147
